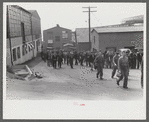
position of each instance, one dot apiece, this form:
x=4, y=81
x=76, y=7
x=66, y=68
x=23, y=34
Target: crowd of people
x=120, y=62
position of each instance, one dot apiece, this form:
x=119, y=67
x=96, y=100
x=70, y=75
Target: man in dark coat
x=91, y=60
x=142, y=72
x=71, y=60
x=60, y=59
x=76, y=58
x=139, y=58
x=123, y=67
x=99, y=63
x=115, y=63
x=87, y=58
x=81, y=58
x=54, y=60
x=133, y=62
x=67, y=57
x=48, y=58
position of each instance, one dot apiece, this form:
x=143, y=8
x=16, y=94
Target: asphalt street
x=79, y=83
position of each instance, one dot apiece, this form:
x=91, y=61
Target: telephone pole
x=89, y=23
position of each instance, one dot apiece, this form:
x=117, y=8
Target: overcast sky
x=71, y=15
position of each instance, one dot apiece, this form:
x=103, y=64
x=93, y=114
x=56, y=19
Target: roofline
x=119, y=32
x=94, y=30
x=55, y=27
x=17, y=6
x=33, y=12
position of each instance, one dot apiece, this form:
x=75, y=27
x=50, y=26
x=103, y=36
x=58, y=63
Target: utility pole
x=89, y=23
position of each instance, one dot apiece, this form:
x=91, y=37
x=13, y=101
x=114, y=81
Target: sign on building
x=50, y=41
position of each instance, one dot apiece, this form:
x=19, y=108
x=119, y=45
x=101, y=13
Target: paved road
x=79, y=83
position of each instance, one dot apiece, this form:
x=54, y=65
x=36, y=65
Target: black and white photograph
x=82, y=60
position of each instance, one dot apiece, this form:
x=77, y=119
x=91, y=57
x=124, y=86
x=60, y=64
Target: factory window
x=14, y=54
x=57, y=38
x=18, y=52
x=64, y=35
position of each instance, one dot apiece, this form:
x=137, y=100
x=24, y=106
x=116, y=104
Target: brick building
x=21, y=42
x=56, y=37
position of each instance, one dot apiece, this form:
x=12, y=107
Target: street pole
x=89, y=30
x=89, y=23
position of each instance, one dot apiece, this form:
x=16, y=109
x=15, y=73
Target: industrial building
x=129, y=34
x=56, y=38
x=116, y=37
x=23, y=34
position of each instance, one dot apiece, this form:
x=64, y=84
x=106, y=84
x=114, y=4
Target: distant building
x=133, y=20
x=21, y=43
x=117, y=37
x=56, y=37
x=82, y=39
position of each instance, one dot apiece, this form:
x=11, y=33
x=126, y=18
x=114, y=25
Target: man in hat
x=99, y=63
x=123, y=67
x=142, y=72
x=115, y=63
x=71, y=59
x=48, y=58
x=54, y=60
x=139, y=57
x=67, y=57
x=59, y=59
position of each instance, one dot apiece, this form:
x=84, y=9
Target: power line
x=97, y=19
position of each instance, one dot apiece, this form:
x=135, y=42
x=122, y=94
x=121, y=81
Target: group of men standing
x=54, y=57
x=121, y=62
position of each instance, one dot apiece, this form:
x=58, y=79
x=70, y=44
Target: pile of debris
x=22, y=72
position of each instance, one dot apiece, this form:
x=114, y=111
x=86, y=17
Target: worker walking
x=123, y=68
x=115, y=63
x=99, y=63
x=54, y=60
x=71, y=59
